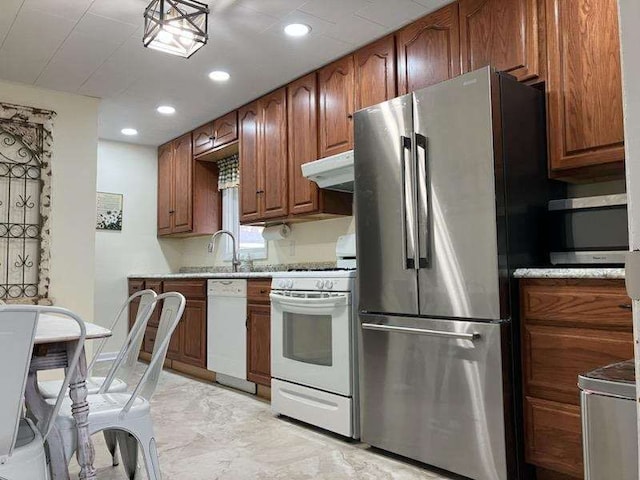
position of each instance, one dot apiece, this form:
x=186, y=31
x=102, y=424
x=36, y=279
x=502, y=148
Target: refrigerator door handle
x=424, y=226
x=408, y=205
x=421, y=331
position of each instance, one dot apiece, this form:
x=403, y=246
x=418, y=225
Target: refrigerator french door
x=432, y=267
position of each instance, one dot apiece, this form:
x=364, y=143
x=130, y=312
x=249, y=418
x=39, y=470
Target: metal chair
x=22, y=454
x=127, y=356
x=129, y=414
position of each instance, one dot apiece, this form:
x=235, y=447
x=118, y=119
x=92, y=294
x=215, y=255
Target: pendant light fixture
x=178, y=27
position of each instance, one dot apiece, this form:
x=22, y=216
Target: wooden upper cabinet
x=585, y=118
x=500, y=33
x=183, y=177
x=203, y=139
x=165, y=188
x=429, y=50
x=375, y=73
x=336, y=89
x=272, y=154
x=225, y=129
x=248, y=133
x=302, y=113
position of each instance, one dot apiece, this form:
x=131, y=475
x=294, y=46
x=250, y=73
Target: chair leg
x=112, y=444
x=129, y=452
x=150, y=455
x=59, y=463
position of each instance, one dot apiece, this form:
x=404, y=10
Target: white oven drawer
x=325, y=410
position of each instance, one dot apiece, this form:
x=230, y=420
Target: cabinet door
x=225, y=129
x=272, y=154
x=375, y=71
x=584, y=85
x=174, y=352
x=134, y=286
x=165, y=188
x=302, y=99
x=156, y=286
x=194, y=333
x=248, y=120
x=336, y=87
x=429, y=50
x=203, y=139
x=259, y=344
x=500, y=33
x=183, y=187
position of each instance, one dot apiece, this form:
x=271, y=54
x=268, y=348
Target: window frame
x=231, y=222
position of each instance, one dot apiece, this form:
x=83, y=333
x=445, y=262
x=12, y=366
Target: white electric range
x=314, y=349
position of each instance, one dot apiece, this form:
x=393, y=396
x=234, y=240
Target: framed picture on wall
x=109, y=211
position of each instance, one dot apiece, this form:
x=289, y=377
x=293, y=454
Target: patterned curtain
x=228, y=172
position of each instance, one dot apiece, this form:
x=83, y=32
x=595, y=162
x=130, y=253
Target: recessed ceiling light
x=166, y=110
x=297, y=29
x=219, y=76
x=129, y=131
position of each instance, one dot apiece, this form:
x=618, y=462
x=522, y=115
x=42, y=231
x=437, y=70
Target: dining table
x=56, y=341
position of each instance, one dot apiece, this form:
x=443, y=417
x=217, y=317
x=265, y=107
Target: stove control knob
x=328, y=284
x=320, y=284
x=290, y=284
x=281, y=284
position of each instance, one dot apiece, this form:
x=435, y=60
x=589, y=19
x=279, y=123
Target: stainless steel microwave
x=589, y=230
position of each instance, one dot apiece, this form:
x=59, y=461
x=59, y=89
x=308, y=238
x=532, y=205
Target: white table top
x=55, y=328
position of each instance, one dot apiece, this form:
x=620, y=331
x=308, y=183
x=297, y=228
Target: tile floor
x=207, y=432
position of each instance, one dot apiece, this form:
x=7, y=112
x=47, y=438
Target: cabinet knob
x=172, y=211
x=350, y=117
x=212, y=138
x=259, y=192
x=625, y=306
x=263, y=290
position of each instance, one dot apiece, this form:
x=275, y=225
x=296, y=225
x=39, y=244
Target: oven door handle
x=321, y=302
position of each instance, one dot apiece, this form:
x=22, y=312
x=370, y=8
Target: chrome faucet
x=234, y=259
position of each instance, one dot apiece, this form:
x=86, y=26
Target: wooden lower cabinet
x=188, y=345
x=569, y=327
x=259, y=332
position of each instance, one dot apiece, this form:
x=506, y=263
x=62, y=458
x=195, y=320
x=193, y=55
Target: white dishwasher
x=227, y=332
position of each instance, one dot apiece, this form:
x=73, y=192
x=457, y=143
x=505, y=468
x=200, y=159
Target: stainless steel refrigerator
x=450, y=189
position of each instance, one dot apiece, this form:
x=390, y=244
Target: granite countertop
x=259, y=271
x=553, y=272
x=177, y=276
x=617, y=379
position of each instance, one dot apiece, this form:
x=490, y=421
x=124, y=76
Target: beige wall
x=73, y=191
x=132, y=171
x=308, y=242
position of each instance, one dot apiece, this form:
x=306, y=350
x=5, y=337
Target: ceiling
x=94, y=48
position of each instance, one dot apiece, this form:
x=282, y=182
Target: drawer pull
x=263, y=291
x=625, y=306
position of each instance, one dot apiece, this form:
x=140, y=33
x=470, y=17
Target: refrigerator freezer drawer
x=322, y=409
x=432, y=390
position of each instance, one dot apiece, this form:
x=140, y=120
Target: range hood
x=333, y=173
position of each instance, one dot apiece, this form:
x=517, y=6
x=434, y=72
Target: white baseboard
x=107, y=357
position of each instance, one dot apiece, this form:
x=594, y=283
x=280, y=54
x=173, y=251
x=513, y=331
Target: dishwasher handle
x=421, y=331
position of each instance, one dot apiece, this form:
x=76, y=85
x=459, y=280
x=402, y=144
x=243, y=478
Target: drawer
x=601, y=304
x=155, y=285
x=553, y=436
x=258, y=291
x=135, y=285
x=553, y=357
x=188, y=288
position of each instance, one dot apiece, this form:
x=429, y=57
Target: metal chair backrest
x=172, y=310
x=127, y=357
x=17, y=332
x=18, y=325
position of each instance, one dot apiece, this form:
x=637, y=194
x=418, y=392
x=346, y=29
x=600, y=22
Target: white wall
x=132, y=171
x=308, y=242
x=73, y=203
x=630, y=39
